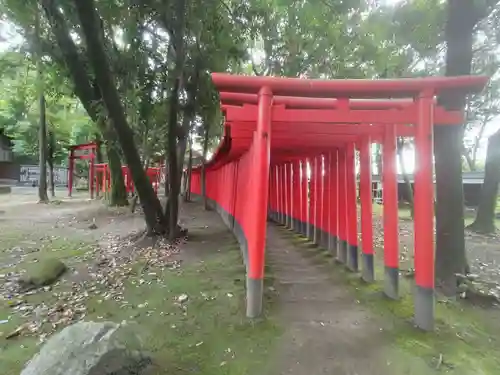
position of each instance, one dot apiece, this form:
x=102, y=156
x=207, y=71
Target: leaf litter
x=102, y=275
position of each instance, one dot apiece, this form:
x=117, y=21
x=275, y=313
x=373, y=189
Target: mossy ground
x=208, y=334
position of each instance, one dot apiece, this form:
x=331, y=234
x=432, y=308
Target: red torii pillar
x=342, y=207
x=296, y=195
x=390, y=209
x=282, y=194
x=365, y=187
x=352, y=211
x=334, y=204
x=288, y=173
x=275, y=190
x=325, y=214
x=312, y=199
x=318, y=176
x=304, y=201
x=257, y=226
x=424, y=214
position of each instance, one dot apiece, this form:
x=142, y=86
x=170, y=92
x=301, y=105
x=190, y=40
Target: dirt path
x=327, y=330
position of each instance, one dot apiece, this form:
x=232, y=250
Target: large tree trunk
x=173, y=173
x=118, y=196
x=42, y=142
x=187, y=194
x=485, y=219
x=409, y=189
x=173, y=162
x=89, y=96
x=470, y=162
x=50, y=161
x=181, y=152
x=42, y=131
x=448, y=143
x=90, y=22
x=203, y=169
x=378, y=159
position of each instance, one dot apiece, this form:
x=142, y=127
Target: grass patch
x=208, y=334
x=21, y=252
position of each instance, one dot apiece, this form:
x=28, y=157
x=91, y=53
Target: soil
x=326, y=330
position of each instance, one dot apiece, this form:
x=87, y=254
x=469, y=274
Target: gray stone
x=90, y=348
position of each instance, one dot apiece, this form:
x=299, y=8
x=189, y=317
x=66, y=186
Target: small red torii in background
x=84, y=151
x=99, y=173
x=288, y=154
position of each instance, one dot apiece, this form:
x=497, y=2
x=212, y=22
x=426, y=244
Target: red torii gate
x=275, y=129
x=84, y=151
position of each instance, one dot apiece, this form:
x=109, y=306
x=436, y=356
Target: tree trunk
x=485, y=218
x=378, y=159
x=118, y=194
x=42, y=143
x=50, y=161
x=448, y=143
x=89, y=96
x=173, y=173
x=470, y=162
x=203, y=170
x=173, y=162
x=42, y=131
x=408, y=187
x=90, y=23
x=187, y=194
x=181, y=154
x=98, y=142
x=477, y=143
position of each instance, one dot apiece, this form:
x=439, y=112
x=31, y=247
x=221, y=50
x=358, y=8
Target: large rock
x=89, y=348
x=47, y=272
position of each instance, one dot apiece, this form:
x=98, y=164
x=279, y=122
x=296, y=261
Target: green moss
x=208, y=334
x=46, y=272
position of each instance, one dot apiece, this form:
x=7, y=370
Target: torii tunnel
x=288, y=154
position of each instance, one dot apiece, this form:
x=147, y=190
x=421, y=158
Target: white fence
x=30, y=174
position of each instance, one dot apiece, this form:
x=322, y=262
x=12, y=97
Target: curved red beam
x=238, y=99
x=348, y=88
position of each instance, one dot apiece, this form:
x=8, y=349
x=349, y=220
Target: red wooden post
x=104, y=173
x=365, y=187
x=296, y=196
x=325, y=222
x=424, y=216
x=276, y=193
x=282, y=195
x=334, y=202
x=303, y=199
x=342, y=209
x=318, y=176
x=312, y=198
x=290, y=195
x=390, y=200
x=288, y=192
x=71, y=167
x=260, y=175
x=91, y=176
x=352, y=210
x=108, y=176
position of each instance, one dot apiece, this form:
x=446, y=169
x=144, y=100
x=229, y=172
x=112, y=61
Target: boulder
x=91, y=348
x=45, y=273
